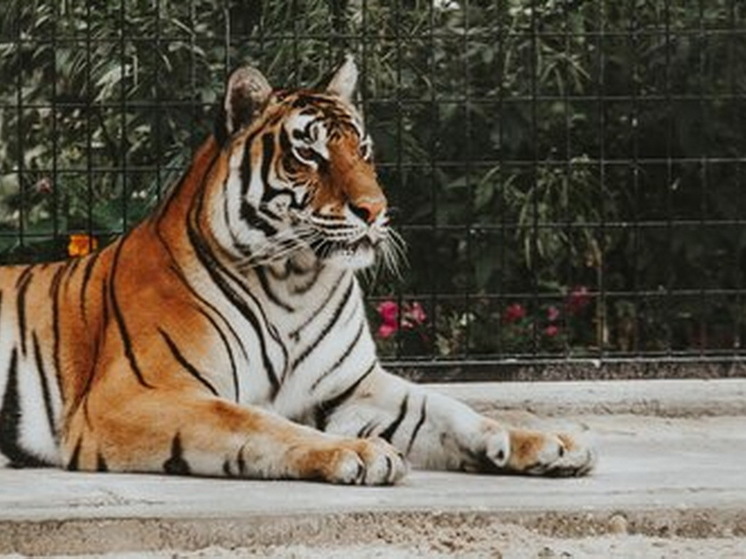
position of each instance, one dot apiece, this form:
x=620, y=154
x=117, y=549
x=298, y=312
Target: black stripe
x=191, y=369
x=241, y=463
x=268, y=150
x=10, y=418
x=286, y=148
x=336, y=224
x=341, y=358
x=353, y=313
x=285, y=144
x=101, y=465
x=228, y=348
x=327, y=328
x=309, y=99
x=213, y=268
x=329, y=220
x=54, y=290
x=124, y=334
x=250, y=215
x=264, y=282
x=270, y=193
x=91, y=262
x=69, y=268
x=56, y=284
x=74, y=462
x=277, y=247
x=87, y=400
x=289, y=159
x=180, y=274
x=96, y=343
x=240, y=246
x=388, y=433
x=176, y=463
x=22, y=284
x=217, y=271
x=420, y=422
x=365, y=430
x=246, y=167
x=25, y=275
x=44, y=385
x=270, y=213
x=327, y=408
x=74, y=263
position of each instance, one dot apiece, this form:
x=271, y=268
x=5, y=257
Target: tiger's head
x=300, y=174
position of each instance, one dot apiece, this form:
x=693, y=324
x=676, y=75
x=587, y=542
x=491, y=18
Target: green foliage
x=529, y=147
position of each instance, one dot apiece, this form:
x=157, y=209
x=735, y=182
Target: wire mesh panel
x=568, y=175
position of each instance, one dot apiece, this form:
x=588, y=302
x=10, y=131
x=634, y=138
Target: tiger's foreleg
x=181, y=433
x=438, y=432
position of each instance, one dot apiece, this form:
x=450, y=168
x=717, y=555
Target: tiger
x=226, y=334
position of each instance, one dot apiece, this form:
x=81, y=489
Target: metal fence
x=568, y=174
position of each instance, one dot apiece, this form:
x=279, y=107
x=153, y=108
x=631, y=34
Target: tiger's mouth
x=358, y=253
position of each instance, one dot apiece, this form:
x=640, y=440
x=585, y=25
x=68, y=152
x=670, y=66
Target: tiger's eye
x=306, y=154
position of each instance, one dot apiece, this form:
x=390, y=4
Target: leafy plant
x=527, y=147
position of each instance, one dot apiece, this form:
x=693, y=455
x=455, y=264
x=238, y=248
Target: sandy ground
x=509, y=542
x=666, y=476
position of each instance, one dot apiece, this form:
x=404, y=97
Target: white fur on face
x=315, y=137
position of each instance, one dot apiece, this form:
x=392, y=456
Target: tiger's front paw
x=485, y=450
x=364, y=462
x=550, y=454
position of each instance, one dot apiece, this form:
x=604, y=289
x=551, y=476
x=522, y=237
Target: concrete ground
x=671, y=482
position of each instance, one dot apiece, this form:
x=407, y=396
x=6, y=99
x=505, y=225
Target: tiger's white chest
x=319, y=315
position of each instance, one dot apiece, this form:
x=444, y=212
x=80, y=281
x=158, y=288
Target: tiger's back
x=63, y=323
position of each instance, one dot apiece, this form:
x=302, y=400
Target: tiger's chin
x=356, y=260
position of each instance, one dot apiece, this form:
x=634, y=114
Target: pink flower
x=386, y=330
x=513, y=313
x=551, y=331
x=553, y=313
x=578, y=299
x=389, y=312
x=412, y=315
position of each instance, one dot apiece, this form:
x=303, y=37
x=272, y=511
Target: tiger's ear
x=246, y=94
x=344, y=80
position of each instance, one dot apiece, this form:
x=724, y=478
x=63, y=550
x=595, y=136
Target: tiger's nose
x=368, y=210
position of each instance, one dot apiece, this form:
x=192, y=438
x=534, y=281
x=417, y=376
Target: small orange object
x=81, y=244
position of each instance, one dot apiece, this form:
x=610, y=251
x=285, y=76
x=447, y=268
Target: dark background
x=568, y=175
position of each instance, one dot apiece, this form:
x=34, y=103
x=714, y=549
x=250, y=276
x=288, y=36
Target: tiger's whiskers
x=279, y=247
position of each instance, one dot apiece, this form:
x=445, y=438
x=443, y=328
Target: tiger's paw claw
x=366, y=462
x=555, y=455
